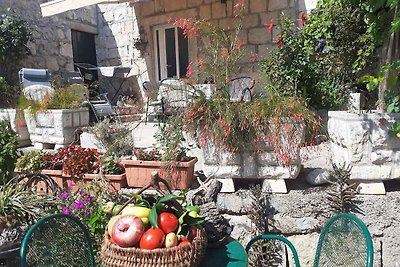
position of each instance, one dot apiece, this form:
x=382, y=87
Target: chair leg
x=147, y=111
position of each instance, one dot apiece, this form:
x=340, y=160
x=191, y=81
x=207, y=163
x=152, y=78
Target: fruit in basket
x=192, y=233
x=184, y=243
x=111, y=223
x=168, y=222
x=152, y=238
x=116, y=208
x=141, y=212
x=171, y=240
x=108, y=207
x=127, y=231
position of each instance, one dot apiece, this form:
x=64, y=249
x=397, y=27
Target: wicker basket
x=180, y=256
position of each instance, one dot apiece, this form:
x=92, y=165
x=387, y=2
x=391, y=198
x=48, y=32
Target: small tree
x=14, y=36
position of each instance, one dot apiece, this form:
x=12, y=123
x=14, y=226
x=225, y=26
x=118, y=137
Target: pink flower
x=239, y=43
x=303, y=18
x=279, y=40
x=253, y=56
x=189, y=70
x=271, y=25
x=64, y=195
x=65, y=210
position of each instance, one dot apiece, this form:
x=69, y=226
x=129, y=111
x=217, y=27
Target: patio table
x=230, y=255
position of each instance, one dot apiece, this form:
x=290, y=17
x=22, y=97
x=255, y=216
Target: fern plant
x=341, y=194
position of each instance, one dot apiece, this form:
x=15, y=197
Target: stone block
x=371, y=188
x=277, y=4
x=371, y=172
x=218, y=10
x=223, y=172
x=274, y=186
x=381, y=156
x=228, y=185
x=88, y=140
x=193, y=3
x=306, y=246
x=242, y=227
x=228, y=23
x=205, y=12
x=278, y=172
x=235, y=203
x=264, y=51
x=267, y=159
x=258, y=36
x=318, y=177
x=258, y=6
x=251, y=21
x=249, y=165
x=172, y=5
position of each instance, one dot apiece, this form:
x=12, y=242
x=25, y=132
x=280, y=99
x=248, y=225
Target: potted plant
x=55, y=119
x=259, y=139
x=13, y=48
x=169, y=159
x=8, y=151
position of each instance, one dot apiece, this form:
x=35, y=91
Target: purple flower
x=64, y=195
x=79, y=205
x=70, y=185
x=65, y=210
x=88, y=198
x=86, y=213
x=81, y=192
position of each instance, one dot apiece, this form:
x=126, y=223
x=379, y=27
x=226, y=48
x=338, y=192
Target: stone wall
x=301, y=214
x=51, y=47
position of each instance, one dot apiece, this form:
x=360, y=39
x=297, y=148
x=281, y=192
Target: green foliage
x=22, y=206
x=321, y=62
x=31, y=161
x=395, y=130
x=8, y=151
x=9, y=94
x=109, y=165
x=70, y=97
x=15, y=34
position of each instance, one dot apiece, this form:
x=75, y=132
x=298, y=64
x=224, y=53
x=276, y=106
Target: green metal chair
x=275, y=237
x=57, y=240
x=344, y=241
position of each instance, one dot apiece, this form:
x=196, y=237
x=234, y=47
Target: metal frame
x=361, y=224
x=276, y=237
x=24, y=243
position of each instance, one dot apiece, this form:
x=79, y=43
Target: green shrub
x=8, y=151
x=31, y=161
x=15, y=34
x=9, y=94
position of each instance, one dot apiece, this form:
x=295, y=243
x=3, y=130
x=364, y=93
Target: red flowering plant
x=274, y=121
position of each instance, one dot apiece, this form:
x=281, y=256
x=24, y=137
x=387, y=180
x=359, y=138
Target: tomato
x=152, y=238
x=184, y=243
x=168, y=222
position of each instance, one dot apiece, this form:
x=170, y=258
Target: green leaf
x=153, y=217
x=395, y=25
x=193, y=208
x=181, y=218
x=169, y=198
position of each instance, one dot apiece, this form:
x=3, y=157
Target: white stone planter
x=18, y=124
x=363, y=141
x=55, y=126
x=263, y=164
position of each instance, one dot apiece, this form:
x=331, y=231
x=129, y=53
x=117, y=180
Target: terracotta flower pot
x=56, y=175
x=138, y=173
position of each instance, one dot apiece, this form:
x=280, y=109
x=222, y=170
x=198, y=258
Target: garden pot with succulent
x=55, y=119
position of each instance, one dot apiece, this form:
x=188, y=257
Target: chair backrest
x=264, y=238
x=344, y=241
x=240, y=89
x=71, y=77
x=176, y=93
x=35, y=83
x=38, y=183
x=101, y=107
x=150, y=89
x=57, y=240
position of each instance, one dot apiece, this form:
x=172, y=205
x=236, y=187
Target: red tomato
x=184, y=243
x=152, y=238
x=168, y=222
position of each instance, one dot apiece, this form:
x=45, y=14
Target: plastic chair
x=101, y=107
x=239, y=89
x=344, y=241
x=57, y=240
x=276, y=237
x=35, y=83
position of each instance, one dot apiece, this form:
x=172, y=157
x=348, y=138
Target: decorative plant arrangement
x=31, y=161
x=165, y=224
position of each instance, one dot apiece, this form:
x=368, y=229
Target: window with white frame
x=171, y=52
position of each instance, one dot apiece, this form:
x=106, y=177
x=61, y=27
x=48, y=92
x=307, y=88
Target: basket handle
x=155, y=183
